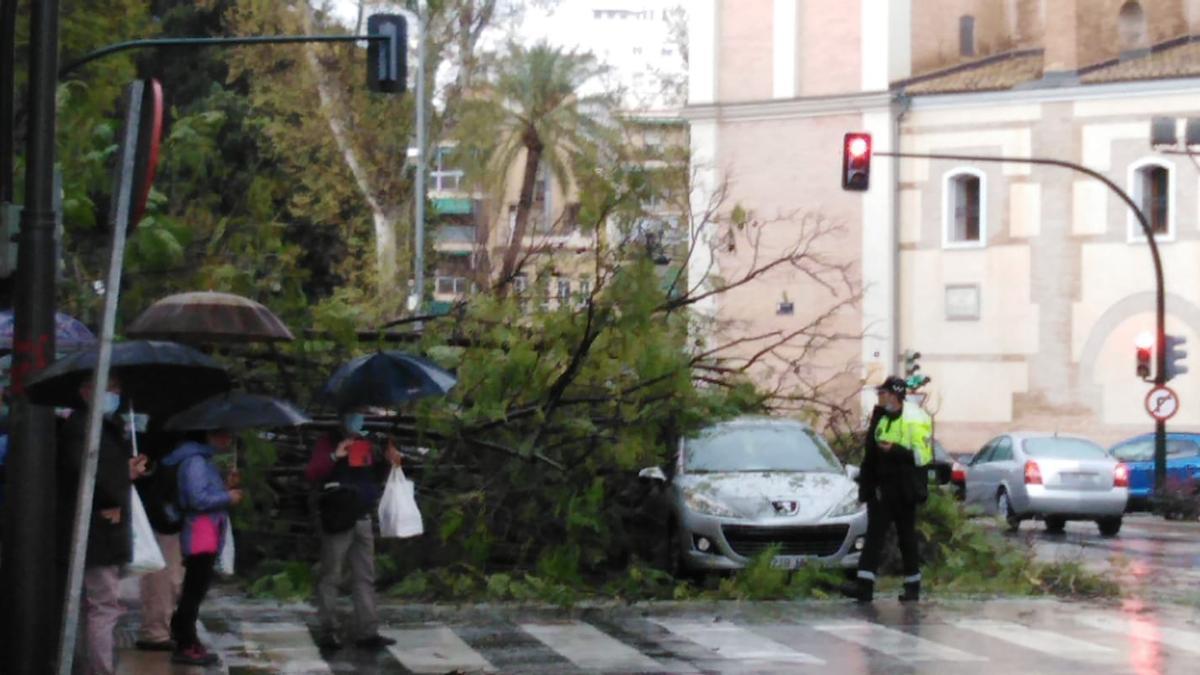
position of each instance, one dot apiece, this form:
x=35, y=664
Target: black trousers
x=197, y=577
x=881, y=514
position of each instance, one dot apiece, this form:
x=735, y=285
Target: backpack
x=160, y=495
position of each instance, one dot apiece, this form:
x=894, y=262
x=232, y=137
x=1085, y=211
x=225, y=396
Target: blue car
x=1183, y=464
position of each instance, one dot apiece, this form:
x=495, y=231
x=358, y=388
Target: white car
x=1053, y=477
x=753, y=482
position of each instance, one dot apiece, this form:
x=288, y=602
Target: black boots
x=862, y=590
x=912, y=591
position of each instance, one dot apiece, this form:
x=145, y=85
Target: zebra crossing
x=1098, y=641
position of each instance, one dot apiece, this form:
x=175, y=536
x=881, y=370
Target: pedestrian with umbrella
x=203, y=499
x=150, y=372
x=349, y=470
x=109, y=542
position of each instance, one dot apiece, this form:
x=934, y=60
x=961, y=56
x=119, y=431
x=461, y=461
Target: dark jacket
x=201, y=494
x=108, y=544
x=891, y=476
x=366, y=481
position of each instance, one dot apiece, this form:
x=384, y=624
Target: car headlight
x=701, y=503
x=848, y=506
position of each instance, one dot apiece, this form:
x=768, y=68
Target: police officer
x=893, y=483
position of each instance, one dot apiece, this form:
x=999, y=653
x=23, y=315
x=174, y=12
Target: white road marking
x=733, y=642
x=435, y=649
x=287, y=646
x=894, y=643
x=590, y=648
x=1043, y=641
x=1143, y=629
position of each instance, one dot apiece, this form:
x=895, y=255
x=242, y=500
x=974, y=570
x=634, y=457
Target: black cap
x=894, y=384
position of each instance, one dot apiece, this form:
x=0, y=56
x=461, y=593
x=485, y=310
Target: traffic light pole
x=28, y=583
x=209, y=42
x=1160, y=356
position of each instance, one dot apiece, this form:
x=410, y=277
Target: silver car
x=753, y=482
x=1053, y=477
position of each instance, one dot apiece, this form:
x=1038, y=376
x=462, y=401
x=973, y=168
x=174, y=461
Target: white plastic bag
x=225, y=561
x=398, y=513
x=147, y=557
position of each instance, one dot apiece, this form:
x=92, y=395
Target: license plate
x=1078, y=478
x=788, y=562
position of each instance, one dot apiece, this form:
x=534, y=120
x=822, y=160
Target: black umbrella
x=156, y=376
x=385, y=379
x=237, y=410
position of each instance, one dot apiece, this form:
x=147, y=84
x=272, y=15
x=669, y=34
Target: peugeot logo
x=786, y=507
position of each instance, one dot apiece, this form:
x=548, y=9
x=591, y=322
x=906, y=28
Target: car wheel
x=1005, y=511
x=1109, y=527
x=1055, y=525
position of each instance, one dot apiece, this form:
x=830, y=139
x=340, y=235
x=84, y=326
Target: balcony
x=455, y=239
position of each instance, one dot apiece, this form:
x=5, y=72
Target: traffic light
x=912, y=370
x=387, y=60
x=1175, y=355
x=856, y=162
x=1145, y=349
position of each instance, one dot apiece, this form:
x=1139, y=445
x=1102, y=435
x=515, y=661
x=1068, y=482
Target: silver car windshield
x=1063, y=448
x=759, y=447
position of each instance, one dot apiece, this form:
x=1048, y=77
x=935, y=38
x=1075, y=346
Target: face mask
x=353, y=423
x=111, y=403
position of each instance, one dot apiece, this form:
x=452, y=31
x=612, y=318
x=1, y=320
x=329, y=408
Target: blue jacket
x=202, y=494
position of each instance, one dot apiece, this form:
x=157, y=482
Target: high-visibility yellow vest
x=911, y=429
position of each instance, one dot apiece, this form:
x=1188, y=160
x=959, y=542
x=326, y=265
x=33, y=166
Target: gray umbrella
x=237, y=410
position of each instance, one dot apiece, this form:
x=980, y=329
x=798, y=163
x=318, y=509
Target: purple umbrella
x=69, y=333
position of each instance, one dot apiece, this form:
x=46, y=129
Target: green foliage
x=962, y=556
x=760, y=580
x=283, y=580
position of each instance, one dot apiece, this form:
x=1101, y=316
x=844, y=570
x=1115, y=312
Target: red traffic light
x=856, y=162
x=1143, y=362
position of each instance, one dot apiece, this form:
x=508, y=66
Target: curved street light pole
x=1160, y=356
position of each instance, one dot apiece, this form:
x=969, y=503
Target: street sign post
x=1162, y=403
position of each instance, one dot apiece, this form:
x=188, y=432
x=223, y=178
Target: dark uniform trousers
x=881, y=514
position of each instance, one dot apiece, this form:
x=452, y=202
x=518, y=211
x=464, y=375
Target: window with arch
x=964, y=214
x=1132, y=36
x=1152, y=186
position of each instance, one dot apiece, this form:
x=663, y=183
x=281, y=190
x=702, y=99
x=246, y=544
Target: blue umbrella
x=69, y=333
x=385, y=379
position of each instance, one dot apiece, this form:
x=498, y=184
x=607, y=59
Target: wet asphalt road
x=961, y=636
x=1154, y=629
x=1154, y=558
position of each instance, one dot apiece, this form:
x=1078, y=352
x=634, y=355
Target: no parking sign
x=1162, y=403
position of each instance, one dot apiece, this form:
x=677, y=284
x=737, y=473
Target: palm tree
x=533, y=107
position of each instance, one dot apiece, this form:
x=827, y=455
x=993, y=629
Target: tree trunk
x=384, y=225
x=533, y=157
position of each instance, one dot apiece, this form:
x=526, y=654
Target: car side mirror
x=653, y=473
x=852, y=471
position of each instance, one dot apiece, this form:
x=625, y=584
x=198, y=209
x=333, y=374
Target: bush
x=282, y=580
x=1180, y=499
x=960, y=555
x=759, y=580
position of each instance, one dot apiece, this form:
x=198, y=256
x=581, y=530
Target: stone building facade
x=1024, y=287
